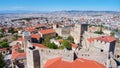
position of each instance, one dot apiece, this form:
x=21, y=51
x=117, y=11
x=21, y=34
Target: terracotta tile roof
x=91, y=39
x=78, y=63
x=16, y=54
x=35, y=36
x=31, y=29
x=38, y=45
x=74, y=45
x=106, y=38
x=47, y=31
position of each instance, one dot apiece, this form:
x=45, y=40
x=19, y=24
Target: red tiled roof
x=90, y=40
x=38, y=45
x=47, y=31
x=106, y=38
x=16, y=54
x=74, y=45
x=78, y=63
x=35, y=36
x=31, y=29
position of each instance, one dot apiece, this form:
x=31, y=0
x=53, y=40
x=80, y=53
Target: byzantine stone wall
x=92, y=55
x=46, y=54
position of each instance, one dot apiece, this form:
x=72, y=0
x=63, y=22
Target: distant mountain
x=71, y=11
x=18, y=11
x=92, y=11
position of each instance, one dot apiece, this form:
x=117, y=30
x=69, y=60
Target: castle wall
x=101, y=45
x=46, y=54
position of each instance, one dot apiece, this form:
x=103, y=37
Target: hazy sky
x=56, y=5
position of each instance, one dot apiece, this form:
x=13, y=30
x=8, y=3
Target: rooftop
x=106, y=38
x=78, y=63
x=90, y=39
x=47, y=31
x=35, y=36
x=38, y=45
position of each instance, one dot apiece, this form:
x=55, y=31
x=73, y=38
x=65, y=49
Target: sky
x=60, y=5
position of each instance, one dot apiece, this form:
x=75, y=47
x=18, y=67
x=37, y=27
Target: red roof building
x=106, y=38
x=47, y=31
x=38, y=45
x=78, y=63
x=16, y=54
x=35, y=36
x=90, y=40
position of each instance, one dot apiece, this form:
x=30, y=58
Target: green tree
x=2, y=63
x=46, y=41
x=70, y=39
x=61, y=47
x=11, y=30
x=98, y=32
x=52, y=46
x=2, y=30
x=1, y=35
x=4, y=43
x=15, y=37
x=66, y=44
x=58, y=37
x=112, y=33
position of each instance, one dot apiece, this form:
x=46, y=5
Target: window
x=101, y=50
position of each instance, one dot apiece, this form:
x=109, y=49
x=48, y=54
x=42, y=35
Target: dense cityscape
x=60, y=34
x=65, y=36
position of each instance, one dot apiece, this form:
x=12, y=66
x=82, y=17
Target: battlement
x=46, y=54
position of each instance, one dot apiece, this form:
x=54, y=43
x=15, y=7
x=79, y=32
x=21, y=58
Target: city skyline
x=60, y=5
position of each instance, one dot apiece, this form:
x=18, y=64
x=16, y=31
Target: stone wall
x=46, y=54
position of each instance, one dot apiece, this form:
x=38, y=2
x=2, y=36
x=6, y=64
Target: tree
x=52, y=46
x=2, y=30
x=66, y=44
x=12, y=30
x=46, y=41
x=4, y=43
x=98, y=32
x=70, y=39
x=15, y=37
x=2, y=63
x=1, y=35
x=112, y=33
x=58, y=37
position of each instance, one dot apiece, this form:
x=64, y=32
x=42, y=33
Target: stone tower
x=26, y=37
x=55, y=26
x=78, y=32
